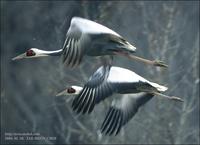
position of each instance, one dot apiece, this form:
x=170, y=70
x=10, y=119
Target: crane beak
x=62, y=93
x=21, y=56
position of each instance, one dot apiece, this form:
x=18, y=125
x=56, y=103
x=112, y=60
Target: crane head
x=31, y=53
x=72, y=90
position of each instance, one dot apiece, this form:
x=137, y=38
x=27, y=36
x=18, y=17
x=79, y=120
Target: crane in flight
x=88, y=38
x=109, y=80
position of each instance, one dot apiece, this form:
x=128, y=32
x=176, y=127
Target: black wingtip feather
x=88, y=98
x=78, y=99
x=120, y=123
x=108, y=120
x=103, y=124
x=85, y=100
x=116, y=120
x=112, y=123
x=92, y=103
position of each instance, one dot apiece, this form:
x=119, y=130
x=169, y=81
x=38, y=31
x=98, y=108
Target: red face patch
x=71, y=90
x=30, y=52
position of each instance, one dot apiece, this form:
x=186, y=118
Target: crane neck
x=51, y=53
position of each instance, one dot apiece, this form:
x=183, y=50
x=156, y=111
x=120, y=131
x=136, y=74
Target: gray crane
x=109, y=80
x=88, y=38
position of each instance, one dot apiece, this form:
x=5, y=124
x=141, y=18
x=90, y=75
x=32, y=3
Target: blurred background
x=164, y=30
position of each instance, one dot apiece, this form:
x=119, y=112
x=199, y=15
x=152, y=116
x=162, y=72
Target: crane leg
x=146, y=61
x=151, y=62
x=168, y=97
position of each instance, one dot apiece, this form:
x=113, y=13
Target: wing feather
x=72, y=47
x=66, y=50
x=127, y=108
x=69, y=59
x=97, y=90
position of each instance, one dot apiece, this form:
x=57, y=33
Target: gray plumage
x=86, y=37
x=108, y=80
x=121, y=111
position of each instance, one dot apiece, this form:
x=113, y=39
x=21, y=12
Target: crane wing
x=94, y=91
x=91, y=27
x=121, y=111
x=73, y=47
x=78, y=38
x=108, y=41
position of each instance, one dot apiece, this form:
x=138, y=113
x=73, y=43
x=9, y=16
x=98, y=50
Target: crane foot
x=160, y=63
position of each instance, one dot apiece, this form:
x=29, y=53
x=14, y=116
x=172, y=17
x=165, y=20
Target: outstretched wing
x=73, y=46
x=122, y=111
x=94, y=91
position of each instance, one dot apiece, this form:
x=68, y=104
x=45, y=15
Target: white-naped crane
x=88, y=38
x=108, y=80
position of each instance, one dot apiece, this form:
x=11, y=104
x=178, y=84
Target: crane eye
x=71, y=90
x=30, y=53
